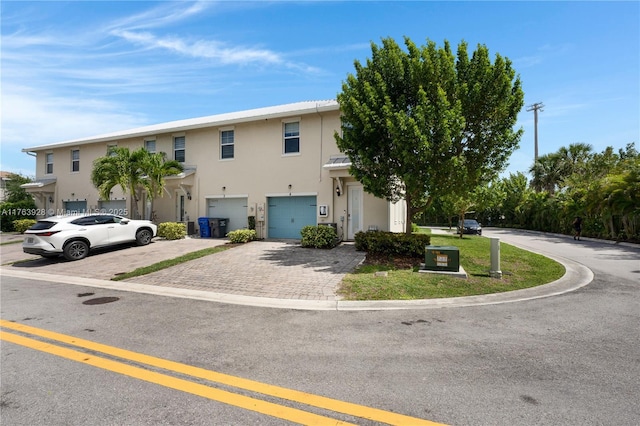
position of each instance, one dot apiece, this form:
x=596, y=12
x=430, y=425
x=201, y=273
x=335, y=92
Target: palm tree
x=155, y=167
x=547, y=173
x=119, y=168
x=574, y=158
x=132, y=171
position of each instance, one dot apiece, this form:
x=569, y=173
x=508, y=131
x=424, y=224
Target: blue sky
x=77, y=69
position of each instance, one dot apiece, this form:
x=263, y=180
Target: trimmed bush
x=389, y=243
x=242, y=235
x=172, y=230
x=22, y=225
x=10, y=212
x=323, y=237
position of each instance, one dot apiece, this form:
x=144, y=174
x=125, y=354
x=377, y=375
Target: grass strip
x=520, y=268
x=170, y=262
x=6, y=243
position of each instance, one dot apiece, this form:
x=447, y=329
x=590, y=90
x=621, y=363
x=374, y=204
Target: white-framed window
x=227, y=142
x=75, y=160
x=179, y=144
x=291, y=137
x=48, y=167
x=150, y=145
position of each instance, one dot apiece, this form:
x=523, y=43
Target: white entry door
x=354, y=211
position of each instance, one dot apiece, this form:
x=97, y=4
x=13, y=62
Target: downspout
x=321, y=139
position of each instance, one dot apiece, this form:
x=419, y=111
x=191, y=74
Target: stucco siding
x=258, y=170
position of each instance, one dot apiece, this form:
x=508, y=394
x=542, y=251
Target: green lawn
x=520, y=268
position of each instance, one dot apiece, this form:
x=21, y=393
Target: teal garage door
x=288, y=215
x=75, y=207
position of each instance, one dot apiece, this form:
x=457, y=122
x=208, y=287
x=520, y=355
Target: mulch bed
x=397, y=262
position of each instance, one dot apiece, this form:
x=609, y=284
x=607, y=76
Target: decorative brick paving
x=276, y=269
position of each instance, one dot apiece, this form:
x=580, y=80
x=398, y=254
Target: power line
x=535, y=108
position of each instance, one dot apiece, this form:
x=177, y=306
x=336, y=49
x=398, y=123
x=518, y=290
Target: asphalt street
x=570, y=359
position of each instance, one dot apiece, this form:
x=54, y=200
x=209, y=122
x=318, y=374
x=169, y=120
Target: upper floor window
x=111, y=150
x=292, y=137
x=48, y=169
x=150, y=146
x=179, y=149
x=75, y=160
x=226, y=144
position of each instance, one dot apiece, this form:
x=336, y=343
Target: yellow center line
x=237, y=382
x=245, y=402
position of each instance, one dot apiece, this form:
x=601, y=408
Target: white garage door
x=233, y=209
x=118, y=207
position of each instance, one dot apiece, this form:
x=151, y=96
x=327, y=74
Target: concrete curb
x=576, y=276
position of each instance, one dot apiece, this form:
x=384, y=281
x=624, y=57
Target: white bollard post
x=495, y=271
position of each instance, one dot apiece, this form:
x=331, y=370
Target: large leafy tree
x=130, y=171
x=15, y=193
x=422, y=122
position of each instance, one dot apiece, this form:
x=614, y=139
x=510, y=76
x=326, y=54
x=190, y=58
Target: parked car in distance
x=470, y=226
x=74, y=235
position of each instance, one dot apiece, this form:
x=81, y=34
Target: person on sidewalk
x=577, y=227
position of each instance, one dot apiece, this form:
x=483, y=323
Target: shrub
x=11, y=212
x=172, y=230
x=252, y=222
x=242, y=235
x=319, y=237
x=389, y=243
x=22, y=225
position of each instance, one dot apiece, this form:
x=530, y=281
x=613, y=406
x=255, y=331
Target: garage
x=288, y=215
x=118, y=207
x=234, y=209
x=75, y=207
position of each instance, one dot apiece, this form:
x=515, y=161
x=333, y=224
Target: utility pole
x=535, y=108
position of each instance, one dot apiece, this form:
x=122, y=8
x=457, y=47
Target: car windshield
x=470, y=222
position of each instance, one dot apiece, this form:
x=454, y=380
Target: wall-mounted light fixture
x=188, y=195
x=338, y=192
x=289, y=187
x=224, y=188
x=50, y=199
x=73, y=194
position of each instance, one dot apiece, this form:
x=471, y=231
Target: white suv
x=73, y=236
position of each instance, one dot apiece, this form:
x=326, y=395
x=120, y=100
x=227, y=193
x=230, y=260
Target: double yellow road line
x=237, y=400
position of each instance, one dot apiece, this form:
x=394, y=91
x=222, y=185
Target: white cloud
x=30, y=118
x=201, y=48
x=166, y=14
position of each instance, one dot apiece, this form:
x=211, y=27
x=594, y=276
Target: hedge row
x=323, y=237
x=389, y=243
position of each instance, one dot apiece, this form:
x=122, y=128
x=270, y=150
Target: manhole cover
x=100, y=300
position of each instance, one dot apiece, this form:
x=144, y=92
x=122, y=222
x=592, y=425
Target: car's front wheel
x=76, y=250
x=143, y=237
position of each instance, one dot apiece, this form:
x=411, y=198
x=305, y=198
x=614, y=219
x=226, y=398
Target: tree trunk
x=408, y=222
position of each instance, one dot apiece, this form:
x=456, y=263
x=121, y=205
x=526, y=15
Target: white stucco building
x=279, y=164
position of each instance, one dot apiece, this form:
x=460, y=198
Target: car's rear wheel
x=76, y=250
x=143, y=237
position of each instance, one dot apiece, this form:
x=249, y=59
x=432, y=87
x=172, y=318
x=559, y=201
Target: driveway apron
x=276, y=269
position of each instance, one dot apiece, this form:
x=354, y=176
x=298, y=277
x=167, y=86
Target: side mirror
x=124, y=221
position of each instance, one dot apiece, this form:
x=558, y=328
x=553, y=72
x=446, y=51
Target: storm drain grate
x=100, y=300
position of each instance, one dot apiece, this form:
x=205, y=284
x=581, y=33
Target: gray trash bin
x=218, y=227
